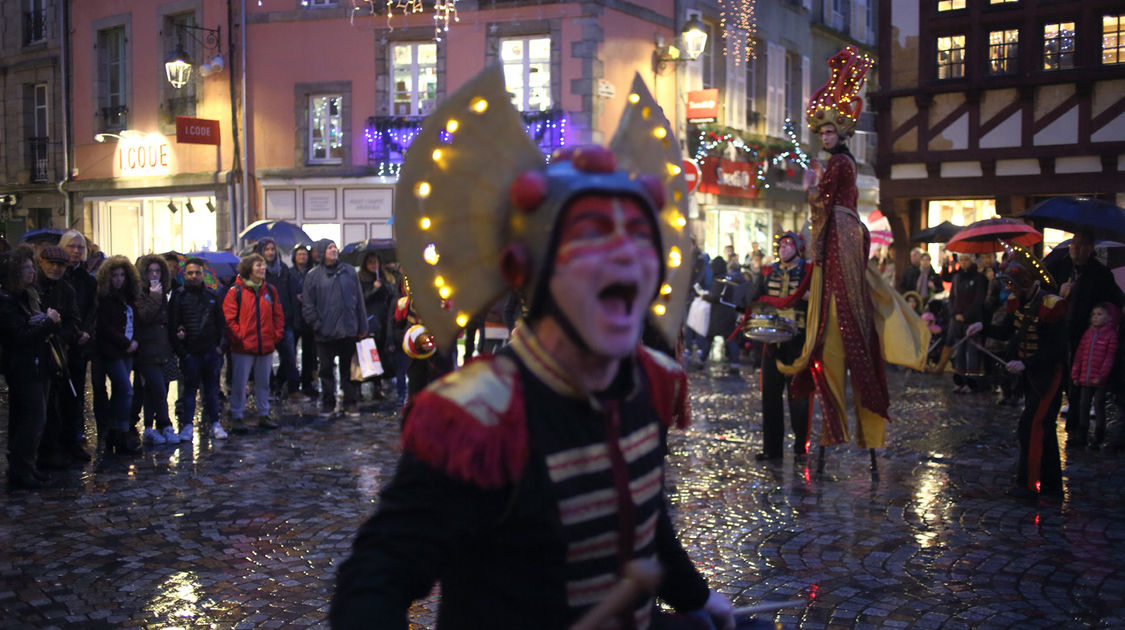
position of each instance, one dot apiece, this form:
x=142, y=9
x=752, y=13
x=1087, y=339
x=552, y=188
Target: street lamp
x=127, y=134
x=178, y=65
x=687, y=47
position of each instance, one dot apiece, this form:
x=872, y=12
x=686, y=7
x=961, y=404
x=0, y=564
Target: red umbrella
x=984, y=236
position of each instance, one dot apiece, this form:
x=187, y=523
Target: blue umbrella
x=1079, y=214
x=224, y=264
x=42, y=235
x=355, y=253
x=284, y=233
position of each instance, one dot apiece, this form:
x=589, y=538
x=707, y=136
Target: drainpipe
x=64, y=70
x=236, y=171
x=245, y=173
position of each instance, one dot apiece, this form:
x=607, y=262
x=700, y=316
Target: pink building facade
x=332, y=98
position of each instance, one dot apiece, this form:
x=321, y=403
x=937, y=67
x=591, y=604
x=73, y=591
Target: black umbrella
x=43, y=235
x=1079, y=214
x=940, y=233
x=354, y=253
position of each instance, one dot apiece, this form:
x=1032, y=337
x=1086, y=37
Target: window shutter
x=859, y=20
x=736, y=88
x=775, y=89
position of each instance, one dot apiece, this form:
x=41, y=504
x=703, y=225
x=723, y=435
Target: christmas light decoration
x=711, y=143
x=739, y=23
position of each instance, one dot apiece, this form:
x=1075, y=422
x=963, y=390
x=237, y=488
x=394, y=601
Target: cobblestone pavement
x=247, y=532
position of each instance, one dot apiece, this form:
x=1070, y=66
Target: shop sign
x=143, y=155
x=197, y=130
x=703, y=105
x=727, y=177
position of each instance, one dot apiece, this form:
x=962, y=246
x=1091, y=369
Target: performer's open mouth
x=619, y=298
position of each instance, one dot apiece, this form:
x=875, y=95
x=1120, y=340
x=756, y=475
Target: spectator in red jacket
x=1092, y=363
x=255, y=324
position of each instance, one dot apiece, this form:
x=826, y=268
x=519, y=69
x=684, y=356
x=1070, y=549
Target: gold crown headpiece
x=462, y=202
x=837, y=102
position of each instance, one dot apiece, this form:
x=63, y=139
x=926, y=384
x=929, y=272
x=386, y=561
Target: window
x=318, y=3
x=414, y=68
x=1113, y=38
x=112, y=110
x=34, y=22
x=326, y=129
x=177, y=35
x=951, y=57
x=707, y=59
x=527, y=71
x=1003, y=51
x=792, y=91
x=37, y=131
x=950, y=5
x=1058, y=46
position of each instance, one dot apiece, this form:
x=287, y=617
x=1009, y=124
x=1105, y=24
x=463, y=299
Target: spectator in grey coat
x=333, y=307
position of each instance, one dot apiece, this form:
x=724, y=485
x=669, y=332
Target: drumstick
x=642, y=576
x=982, y=349
x=768, y=607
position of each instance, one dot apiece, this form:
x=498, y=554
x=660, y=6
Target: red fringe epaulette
x=471, y=424
x=1052, y=309
x=667, y=387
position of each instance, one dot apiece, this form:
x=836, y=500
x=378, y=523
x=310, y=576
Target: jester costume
x=525, y=491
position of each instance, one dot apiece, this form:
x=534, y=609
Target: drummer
x=783, y=288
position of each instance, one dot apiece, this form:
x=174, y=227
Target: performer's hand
x=132, y=347
x=974, y=328
x=721, y=611
x=53, y=315
x=1064, y=290
x=959, y=317
x=83, y=338
x=1015, y=367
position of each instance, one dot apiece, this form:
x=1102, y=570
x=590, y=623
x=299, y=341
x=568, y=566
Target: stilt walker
x=845, y=323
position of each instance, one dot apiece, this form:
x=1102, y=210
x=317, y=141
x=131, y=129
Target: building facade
x=990, y=106
x=33, y=160
x=753, y=147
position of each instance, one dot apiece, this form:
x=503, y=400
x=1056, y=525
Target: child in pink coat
x=1092, y=364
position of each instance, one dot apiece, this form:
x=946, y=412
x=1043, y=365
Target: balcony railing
x=388, y=137
x=34, y=27
x=38, y=162
x=114, y=118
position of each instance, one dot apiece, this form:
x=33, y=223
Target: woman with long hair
x=118, y=285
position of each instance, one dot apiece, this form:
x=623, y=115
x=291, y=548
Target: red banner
x=725, y=177
x=196, y=130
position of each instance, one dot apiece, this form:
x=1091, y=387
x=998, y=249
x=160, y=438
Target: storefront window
x=740, y=228
x=959, y=212
x=138, y=226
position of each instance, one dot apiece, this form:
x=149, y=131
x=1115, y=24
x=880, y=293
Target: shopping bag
x=699, y=315
x=368, y=358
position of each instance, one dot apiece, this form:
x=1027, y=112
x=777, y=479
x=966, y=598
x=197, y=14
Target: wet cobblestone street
x=247, y=532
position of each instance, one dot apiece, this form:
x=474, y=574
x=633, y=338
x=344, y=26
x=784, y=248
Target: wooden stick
x=982, y=349
x=769, y=607
x=642, y=576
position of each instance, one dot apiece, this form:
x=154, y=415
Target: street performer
x=1035, y=330
x=531, y=481
x=784, y=286
x=855, y=320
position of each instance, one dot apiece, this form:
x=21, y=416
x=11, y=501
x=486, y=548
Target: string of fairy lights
x=711, y=142
x=739, y=23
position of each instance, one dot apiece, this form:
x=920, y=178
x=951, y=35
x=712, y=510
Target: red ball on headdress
x=528, y=191
x=594, y=159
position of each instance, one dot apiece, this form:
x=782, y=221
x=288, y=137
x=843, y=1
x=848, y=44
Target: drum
x=769, y=326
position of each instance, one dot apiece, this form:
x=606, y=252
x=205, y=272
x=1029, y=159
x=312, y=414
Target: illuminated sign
x=142, y=155
x=196, y=130
x=703, y=105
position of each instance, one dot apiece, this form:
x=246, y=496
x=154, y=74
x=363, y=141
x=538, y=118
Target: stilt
x=874, y=463
x=820, y=460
